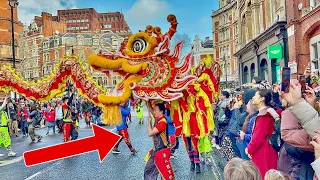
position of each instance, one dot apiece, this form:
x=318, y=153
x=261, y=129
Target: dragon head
x=150, y=70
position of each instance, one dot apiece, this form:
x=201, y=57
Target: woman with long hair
x=158, y=159
x=259, y=150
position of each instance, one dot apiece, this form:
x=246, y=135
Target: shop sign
x=275, y=52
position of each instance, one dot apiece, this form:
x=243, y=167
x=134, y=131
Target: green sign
x=275, y=52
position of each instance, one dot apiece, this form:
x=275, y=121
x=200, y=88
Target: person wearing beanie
x=248, y=95
x=256, y=80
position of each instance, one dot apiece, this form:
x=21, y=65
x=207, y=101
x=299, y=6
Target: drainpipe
x=258, y=58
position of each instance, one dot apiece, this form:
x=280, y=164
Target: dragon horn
x=173, y=29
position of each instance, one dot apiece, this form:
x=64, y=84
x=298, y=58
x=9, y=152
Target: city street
x=87, y=166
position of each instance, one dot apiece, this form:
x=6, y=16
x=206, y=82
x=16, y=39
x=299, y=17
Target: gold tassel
x=112, y=115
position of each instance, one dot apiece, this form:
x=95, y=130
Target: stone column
x=256, y=21
x=261, y=18
x=249, y=25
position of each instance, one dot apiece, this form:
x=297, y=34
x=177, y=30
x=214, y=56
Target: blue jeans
x=241, y=148
x=96, y=119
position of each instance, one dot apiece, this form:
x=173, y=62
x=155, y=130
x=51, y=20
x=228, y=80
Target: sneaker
x=116, y=151
x=218, y=147
x=1, y=155
x=24, y=135
x=39, y=138
x=47, y=133
x=173, y=156
x=11, y=154
x=32, y=140
x=209, y=163
x=133, y=152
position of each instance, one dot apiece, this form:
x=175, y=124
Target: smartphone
x=285, y=83
x=302, y=81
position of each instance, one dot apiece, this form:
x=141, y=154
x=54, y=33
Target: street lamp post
x=13, y=4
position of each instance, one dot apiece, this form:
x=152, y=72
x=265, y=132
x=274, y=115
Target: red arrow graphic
x=102, y=141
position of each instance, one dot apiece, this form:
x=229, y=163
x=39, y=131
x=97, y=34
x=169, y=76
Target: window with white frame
x=114, y=80
x=315, y=53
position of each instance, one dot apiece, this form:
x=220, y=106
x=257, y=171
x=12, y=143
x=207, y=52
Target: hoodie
x=124, y=114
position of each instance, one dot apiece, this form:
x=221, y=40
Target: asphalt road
x=87, y=166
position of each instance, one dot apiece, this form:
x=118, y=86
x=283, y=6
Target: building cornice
x=267, y=34
x=223, y=9
x=311, y=13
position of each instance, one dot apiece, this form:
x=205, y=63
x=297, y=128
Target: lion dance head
x=150, y=70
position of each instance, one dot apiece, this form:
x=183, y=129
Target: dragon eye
x=139, y=45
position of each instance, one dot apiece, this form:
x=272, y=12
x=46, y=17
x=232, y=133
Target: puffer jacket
x=293, y=133
x=307, y=116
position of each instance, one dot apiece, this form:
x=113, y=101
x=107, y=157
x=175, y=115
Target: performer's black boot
x=192, y=166
x=198, y=168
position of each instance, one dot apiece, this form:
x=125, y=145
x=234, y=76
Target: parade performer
x=171, y=133
x=139, y=111
x=129, y=106
x=123, y=130
x=158, y=158
x=5, y=139
x=75, y=123
x=67, y=117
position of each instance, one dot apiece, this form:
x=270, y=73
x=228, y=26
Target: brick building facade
x=304, y=33
x=81, y=20
x=5, y=33
x=47, y=39
x=225, y=39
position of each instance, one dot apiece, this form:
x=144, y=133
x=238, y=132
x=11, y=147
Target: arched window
x=264, y=69
x=252, y=70
x=245, y=75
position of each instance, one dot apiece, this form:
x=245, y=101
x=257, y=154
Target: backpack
x=275, y=140
x=37, y=118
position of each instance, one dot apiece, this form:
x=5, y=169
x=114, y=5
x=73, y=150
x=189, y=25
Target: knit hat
x=257, y=79
x=248, y=95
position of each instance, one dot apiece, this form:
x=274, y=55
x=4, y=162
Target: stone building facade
x=225, y=40
x=304, y=34
x=5, y=33
x=200, y=49
x=261, y=27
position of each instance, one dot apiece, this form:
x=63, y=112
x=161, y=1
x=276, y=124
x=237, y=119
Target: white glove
x=273, y=113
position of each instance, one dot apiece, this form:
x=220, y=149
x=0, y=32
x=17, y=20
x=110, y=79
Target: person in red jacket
x=50, y=116
x=259, y=150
